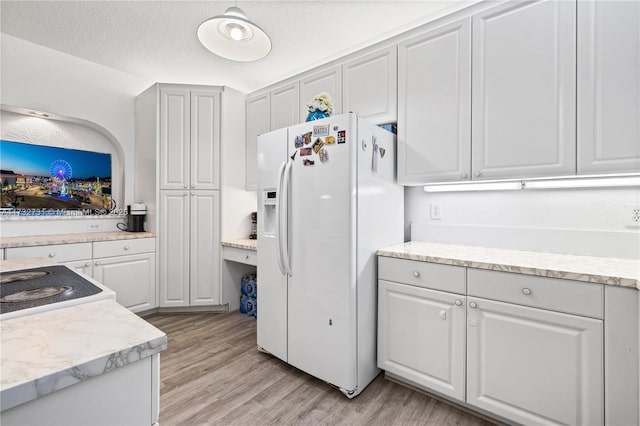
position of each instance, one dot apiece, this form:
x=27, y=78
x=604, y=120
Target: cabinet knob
x=184, y=194
x=97, y=263
x=87, y=264
x=192, y=186
x=463, y=175
x=473, y=305
x=416, y=274
x=246, y=257
x=476, y=173
x=526, y=291
x=52, y=254
x=458, y=302
x=126, y=247
x=185, y=187
x=443, y=315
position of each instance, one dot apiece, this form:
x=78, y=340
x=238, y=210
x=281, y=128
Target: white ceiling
x=156, y=40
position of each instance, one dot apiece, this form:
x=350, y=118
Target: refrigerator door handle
x=279, y=218
x=285, y=215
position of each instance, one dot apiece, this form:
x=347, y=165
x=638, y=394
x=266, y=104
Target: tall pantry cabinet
x=178, y=175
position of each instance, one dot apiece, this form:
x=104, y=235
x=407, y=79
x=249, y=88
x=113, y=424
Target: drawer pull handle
x=52, y=254
x=443, y=315
x=416, y=274
x=526, y=291
x=458, y=302
x=473, y=305
x=126, y=247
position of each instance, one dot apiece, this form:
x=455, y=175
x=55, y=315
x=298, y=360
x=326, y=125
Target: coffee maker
x=136, y=214
x=254, y=226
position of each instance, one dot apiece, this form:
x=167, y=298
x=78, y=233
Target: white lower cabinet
x=421, y=336
x=84, y=266
x=133, y=278
x=532, y=355
x=534, y=366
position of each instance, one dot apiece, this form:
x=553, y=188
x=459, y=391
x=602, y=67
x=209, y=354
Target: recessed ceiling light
x=233, y=36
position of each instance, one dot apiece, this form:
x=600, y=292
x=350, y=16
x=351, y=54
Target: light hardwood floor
x=213, y=373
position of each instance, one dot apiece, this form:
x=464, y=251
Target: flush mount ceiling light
x=233, y=36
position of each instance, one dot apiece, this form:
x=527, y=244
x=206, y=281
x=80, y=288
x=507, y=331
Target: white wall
x=577, y=221
x=42, y=79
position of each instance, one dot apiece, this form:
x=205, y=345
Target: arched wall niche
x=20, y=125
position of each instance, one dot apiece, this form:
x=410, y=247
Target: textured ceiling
x=156, y=40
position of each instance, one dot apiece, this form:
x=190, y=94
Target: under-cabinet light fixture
x=475, y=186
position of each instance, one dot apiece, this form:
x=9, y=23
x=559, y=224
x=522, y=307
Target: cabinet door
x=205, y=248
x=84, y=266
x=133, y=278
x=524, y=77
x=174, y=249
x=421, y=337
x=174, y=138
x=434, y=111
x=370, y=86
x=258, y=122
x=205, y=140
x=608, y=86
x=285, y=109
x=533, y=366
x=329, y=81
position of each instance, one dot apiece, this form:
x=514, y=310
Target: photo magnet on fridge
x=342, y=136
x=329, y=140
x=305, y=151
x=306, y=138
x=308, y=162
x=324, y=155
x=299, y=142
x=317, y=145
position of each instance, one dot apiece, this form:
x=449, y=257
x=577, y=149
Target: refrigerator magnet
x=299, y=141
x=306, y=138
x=305, y=151
x=329, y=140
x=342, y=136
x=324, y=155
x=317, y=145
x=308, y=162
x=321, y=130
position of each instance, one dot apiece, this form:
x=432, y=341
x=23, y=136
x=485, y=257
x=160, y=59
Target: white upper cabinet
x=434, y=109
x=328, y=80
x=174, y=138
x=205, y=140
x=369, y=86
x=258, y=122
x=285, y=106
x=608, y=86
x=524, y=90
x=189, y=139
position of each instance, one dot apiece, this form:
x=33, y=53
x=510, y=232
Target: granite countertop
x=86, y=237
x=610, y=271
x=49, y=351
x=243, y=243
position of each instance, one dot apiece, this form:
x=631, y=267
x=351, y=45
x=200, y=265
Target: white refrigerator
x=327, y=200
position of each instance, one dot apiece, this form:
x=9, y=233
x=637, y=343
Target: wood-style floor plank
x=213, y=374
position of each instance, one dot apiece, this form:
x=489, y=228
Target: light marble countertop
x=610, y=271
x=85, y=237
x=243, y=243
x=49, y=351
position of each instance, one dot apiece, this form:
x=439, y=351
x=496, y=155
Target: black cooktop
x=28, y=288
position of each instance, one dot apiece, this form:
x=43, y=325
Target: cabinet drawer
x=554, y=294
x=122, y=247
x=235, y=254
x=57, y=252
x=423, y=274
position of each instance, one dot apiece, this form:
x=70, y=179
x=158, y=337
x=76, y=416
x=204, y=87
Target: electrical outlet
x=632, y=213
x=93, y=227
x=435, y=211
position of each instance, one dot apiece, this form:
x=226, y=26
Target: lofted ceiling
x=156, y=40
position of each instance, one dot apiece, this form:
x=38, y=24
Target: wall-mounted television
x=38, y=178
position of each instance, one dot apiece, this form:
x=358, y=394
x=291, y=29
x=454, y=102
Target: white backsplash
x=578, y=221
